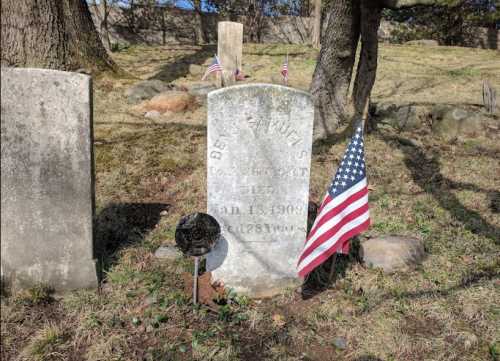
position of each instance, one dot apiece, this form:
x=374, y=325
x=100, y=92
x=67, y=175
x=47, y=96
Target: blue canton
x=352, y=168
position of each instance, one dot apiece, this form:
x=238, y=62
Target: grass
x=442, y=192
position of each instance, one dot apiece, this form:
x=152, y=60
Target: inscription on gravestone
x=47, y=190
x=259, y=155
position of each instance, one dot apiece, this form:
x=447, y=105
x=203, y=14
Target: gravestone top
x=47, y=179
x=259, y=154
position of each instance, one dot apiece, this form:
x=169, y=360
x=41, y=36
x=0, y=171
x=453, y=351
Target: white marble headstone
x=47, y=179
x=259, y=155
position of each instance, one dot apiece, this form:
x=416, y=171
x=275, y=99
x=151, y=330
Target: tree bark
x=55, y=34
x=316, y=33
x=367, y=64
x=104, y=10
x=200, y=24
x=333, y=72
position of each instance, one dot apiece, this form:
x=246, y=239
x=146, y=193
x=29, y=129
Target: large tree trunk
x=332, y=76
x=200, y=23
x=316, y=33
x=55, y=34
x=367, y=64
x=348, y=22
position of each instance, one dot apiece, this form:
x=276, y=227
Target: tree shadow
x=426, y=172
x=180, y=68
x=119, y=225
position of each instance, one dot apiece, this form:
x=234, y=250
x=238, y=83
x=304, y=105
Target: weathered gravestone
x=47, y=187
x=229, y=49
x=259, y=154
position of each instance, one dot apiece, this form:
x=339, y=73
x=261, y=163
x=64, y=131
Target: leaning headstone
x=229, y=49
x=47, y=179
x=259, y=155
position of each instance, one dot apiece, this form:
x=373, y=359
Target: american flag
x=343, y=213
x=238, y=75
x=214, y=67
x=284, y=70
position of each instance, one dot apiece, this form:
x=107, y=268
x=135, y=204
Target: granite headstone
x=259, y=155
x=47, y=179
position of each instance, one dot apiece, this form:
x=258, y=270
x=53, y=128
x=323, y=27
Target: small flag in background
x=214, y=67
x=238, y=75
x=284, y=70
x=343, y=213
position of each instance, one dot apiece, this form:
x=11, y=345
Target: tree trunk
x=104, y=10
x=55, y=34
x=367, y=64
x=316, y=33
x=332, y=76
x=200, y=24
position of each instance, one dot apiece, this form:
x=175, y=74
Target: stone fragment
x=146, y=89
x=259, y=154
x=392, y=253
x=152, y=114
x=46, y=179
x=340, y=343
x=168, y=252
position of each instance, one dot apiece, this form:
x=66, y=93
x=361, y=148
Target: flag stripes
x=344, y=211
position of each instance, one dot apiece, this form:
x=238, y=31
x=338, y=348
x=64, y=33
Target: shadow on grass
x=120, y=225
x=426, y=172
x=180, y=68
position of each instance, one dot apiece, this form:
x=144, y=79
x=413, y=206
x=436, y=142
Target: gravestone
x=47, y=179
x=229, y=49
x=259, y=155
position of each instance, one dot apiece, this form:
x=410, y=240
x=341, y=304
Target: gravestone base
x=81, y=275
x=263, y=287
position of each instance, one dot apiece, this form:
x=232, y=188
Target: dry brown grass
x=447, y=309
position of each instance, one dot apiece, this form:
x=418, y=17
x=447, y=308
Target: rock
x=152, y=114
x=168, y=252
x=405, y=117
x=423, y=42
x=201, y=90
x=469, y=340
x=450, y=121
x=340, y=343
x=146, y=89
x=195, y=69
x=173, y=101
x=392, y=253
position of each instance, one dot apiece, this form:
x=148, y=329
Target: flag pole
x=287, y=69
x=222, y=83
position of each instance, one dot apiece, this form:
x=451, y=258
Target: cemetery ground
x=437, y=183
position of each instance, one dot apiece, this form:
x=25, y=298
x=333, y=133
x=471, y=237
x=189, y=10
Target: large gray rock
x=47, y=187
x=401, y=117
x=201, y=90
x=450, y=121
x=145, y=90
x=259, y=154
x=392, y=253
